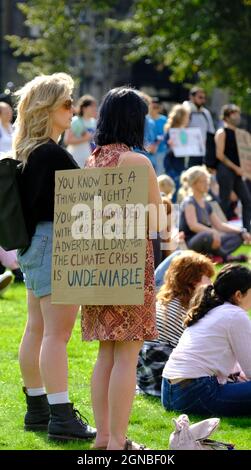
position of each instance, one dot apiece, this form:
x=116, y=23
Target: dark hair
x=228, y=109
x=84, y=102
x=121, y=118
x=231, y=278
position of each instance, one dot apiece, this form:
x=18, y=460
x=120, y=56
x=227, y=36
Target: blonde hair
x=194, y=173
x=176, y=117
x=166, y=184
x=36, y=101
x=184, y=189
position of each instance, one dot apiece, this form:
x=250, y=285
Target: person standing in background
x=199, y=117
x=174, y=166
x=229, y=172
x=160, y=121
x=79, y=139
x=6, y=128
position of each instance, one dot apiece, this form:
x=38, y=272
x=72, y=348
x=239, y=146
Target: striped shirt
x=169, y=318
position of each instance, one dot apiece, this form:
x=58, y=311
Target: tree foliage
x=62, y=35
x=204, y=39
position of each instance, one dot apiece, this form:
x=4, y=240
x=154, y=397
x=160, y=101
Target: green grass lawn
x=149, y=423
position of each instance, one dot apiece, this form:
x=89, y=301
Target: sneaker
x=5, y=281
x=18, y=275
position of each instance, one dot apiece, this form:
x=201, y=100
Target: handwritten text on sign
x=99, y=241
x=243, y=139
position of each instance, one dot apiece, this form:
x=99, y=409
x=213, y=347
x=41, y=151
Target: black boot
x=18, y=275
x=66, y=424
x=38, y=413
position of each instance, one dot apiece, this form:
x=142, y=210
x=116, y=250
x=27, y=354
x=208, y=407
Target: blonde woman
x=204, y=231
x=44, y=112
x=177, y=118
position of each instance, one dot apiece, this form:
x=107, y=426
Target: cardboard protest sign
x=99, y=240
x=243, y=139
x=187, y=142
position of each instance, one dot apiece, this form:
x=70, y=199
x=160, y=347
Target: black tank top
x=231, y=150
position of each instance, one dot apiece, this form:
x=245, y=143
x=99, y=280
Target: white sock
x=57, y=398
x=36, y=392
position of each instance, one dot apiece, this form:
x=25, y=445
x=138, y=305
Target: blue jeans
x=205, y=396
x=36, y=262
x=162, y=268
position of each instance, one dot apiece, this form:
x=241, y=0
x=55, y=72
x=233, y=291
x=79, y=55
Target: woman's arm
x=192, y=221
x=222, y=226
x=239, y=335
x=71, y=139
x=227, y=228
x=220, y=139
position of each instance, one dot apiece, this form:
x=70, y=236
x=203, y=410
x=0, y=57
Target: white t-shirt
x=200, y=118
x=79, y=126
x=213, y=346
x=5, y=139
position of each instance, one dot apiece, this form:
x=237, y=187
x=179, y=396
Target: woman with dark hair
x=214, y=346
x=121, y=329
x=186, y=273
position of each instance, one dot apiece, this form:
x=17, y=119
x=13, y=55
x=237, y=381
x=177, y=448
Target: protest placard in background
x=187, y=142
x=243, y=139
x=90, y=268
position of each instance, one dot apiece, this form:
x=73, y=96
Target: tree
x=61, y=36
x=206, y=40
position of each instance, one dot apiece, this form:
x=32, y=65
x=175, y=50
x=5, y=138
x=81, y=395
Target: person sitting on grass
x=215, y=344
x=186, y=272
x=204, y=231
x=166, y=186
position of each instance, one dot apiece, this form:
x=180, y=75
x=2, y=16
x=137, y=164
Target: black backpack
x=13, y=231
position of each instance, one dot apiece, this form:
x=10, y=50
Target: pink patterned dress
x=121, y=322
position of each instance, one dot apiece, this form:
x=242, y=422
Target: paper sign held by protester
x=243, y=139
x=187, y=142
x=99, y=239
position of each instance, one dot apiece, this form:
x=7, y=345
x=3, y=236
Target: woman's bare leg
x=122, y=391
x=100, y=387
x=58, y=324
x=30, y=346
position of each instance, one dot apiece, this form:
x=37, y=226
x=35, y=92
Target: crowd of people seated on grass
x=196, y=330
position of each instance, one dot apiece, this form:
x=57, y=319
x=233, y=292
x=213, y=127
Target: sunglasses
x=68, y=104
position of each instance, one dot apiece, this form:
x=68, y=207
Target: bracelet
x=243, y=231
